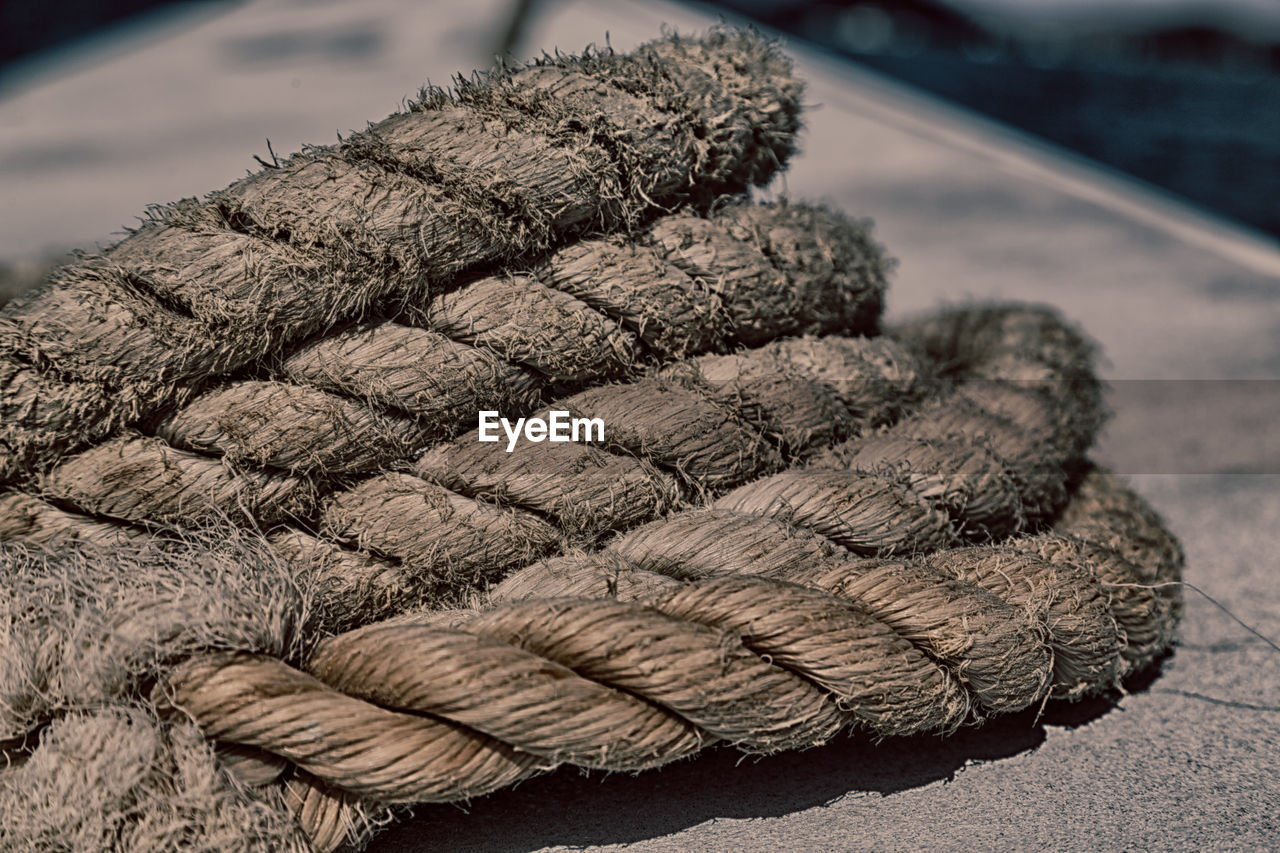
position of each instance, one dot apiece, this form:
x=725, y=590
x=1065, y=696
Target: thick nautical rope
x=506, y=166
x=981, y=631
x=730, y=623
x=361, y=399
x=897, y=534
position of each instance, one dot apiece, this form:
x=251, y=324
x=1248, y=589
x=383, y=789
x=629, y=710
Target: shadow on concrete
x=573, y=808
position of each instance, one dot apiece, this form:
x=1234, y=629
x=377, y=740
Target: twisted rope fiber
x=509, y=164
x=392, y=583
x=830, y=259
x=587, y=492
x=430, y=380
x=728, y=697
x=318, y=800
x=481, y=779
x=744, y=356
x=471, y=542
x=315, y=795
x=787, y=541
x=557, y=482
x=1028, y=420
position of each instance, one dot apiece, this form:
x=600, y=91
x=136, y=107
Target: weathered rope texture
x=945, y=638
x=505, y=166
x=285, y=448
x=681, y=656
x=794, y=526
x=739, y=624
x=962, y=633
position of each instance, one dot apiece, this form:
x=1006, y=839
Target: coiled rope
x=503, y=167
x=358, y=400
x=783, y=536
x=732, y=623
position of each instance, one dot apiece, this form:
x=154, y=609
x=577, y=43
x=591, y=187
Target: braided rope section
x=304, y=445
x=751, y=621
x=748, y=616
x=795, y=526
x=503, y=168
x=916, y=634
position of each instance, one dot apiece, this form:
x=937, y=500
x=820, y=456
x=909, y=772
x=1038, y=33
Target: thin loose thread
x=1270, y=642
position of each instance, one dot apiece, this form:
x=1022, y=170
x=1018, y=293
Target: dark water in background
x=30, y=27
x=1193, y=110
x=1210, y=136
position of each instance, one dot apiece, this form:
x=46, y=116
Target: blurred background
x=1184, y=95
x=1179, y=94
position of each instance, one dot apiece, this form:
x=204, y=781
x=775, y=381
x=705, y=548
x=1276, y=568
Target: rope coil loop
x=796, y=523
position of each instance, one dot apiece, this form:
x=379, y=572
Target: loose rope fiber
x=503, y=167
x=262, y=583
x=345, y=425
x=702, y=623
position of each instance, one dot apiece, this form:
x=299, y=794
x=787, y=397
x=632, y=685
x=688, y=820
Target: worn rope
x=452, y=536
x=991, y=629
x=456, y=540
x=358, y=400
x=507, y=165
x=796, y=629
x=354, y=401
x=789, y=530
x=141, y=480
